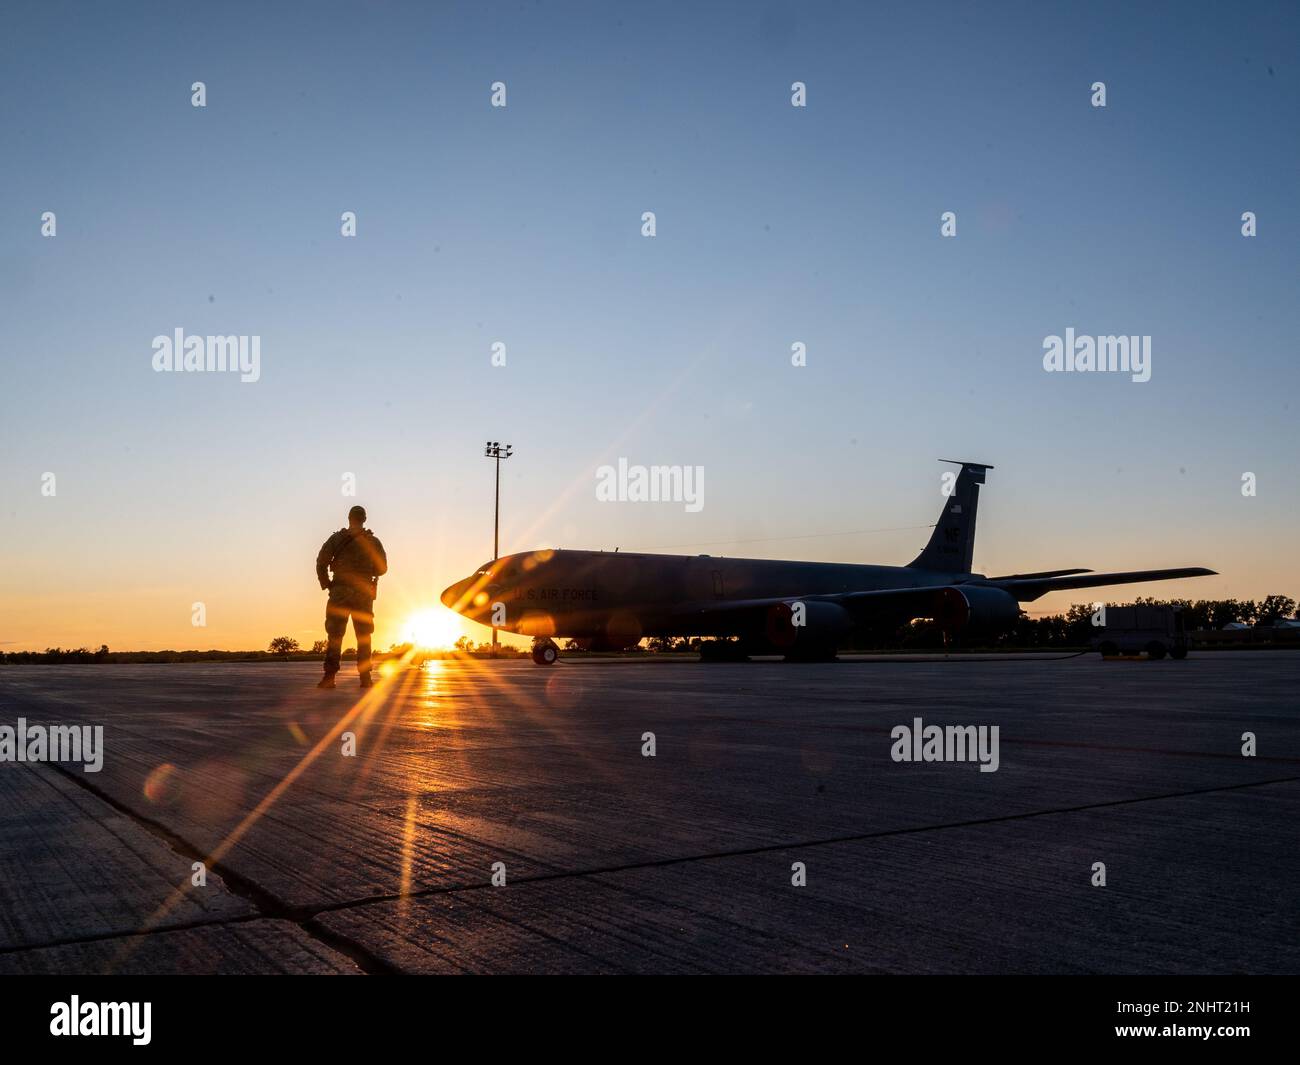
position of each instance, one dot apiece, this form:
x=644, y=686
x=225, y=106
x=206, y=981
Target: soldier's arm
x=380, y=558
x=323, y=559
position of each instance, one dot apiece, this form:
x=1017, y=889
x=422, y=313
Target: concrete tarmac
x=383, y=861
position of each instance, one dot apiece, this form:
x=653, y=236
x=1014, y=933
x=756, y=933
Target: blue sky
x=522, y=225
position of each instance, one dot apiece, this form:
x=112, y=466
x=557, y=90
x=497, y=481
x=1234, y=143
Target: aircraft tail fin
x=952, y=544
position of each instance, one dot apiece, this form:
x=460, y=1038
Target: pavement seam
x=877, y=730
x=268, y=905
x=108, y=937
x=657, y=863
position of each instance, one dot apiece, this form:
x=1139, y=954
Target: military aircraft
x=610, y=600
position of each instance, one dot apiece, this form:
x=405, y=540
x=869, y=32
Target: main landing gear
x=544, y=651
x=740, y=651
x=723, y=651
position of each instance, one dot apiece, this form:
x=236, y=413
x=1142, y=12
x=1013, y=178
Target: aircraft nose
x=451, y=596
x=467, y=596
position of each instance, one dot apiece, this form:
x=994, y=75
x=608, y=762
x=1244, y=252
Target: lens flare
x=436, y=627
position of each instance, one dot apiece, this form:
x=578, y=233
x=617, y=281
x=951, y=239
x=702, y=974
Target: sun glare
x=436, y=627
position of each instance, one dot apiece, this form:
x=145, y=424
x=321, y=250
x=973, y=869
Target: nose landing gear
x=544, y=651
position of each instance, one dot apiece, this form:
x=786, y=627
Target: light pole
x=495, y=450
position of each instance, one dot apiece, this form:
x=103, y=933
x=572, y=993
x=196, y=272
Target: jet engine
x=971, y=608
x=812, y=623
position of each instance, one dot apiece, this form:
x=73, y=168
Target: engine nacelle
x=822, y=623
x=976, y=609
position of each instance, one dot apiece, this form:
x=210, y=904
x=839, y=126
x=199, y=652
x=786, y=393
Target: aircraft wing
x=1031, y=587
x=1044, y=573
x=920, y=601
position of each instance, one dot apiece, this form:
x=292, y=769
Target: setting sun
x=436, y=627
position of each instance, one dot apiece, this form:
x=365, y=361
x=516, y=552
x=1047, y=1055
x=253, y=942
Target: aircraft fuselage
x=624, y=596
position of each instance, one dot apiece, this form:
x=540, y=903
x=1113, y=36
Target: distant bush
x=283, y=646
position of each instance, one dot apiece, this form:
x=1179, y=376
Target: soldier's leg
x=363, y=623
x=336, y=624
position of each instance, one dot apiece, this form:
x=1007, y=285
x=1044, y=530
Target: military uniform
x=357, y=560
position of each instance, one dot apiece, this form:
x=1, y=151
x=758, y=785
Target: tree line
x=1074, y=628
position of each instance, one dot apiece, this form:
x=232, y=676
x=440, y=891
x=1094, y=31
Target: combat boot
x=326, y=681
x=366, y=682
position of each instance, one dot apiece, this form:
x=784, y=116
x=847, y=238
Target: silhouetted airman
x=357, y=560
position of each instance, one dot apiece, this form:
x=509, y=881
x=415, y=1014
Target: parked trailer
x=1130, y=630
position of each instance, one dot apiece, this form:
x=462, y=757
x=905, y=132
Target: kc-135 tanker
x=804, y=610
